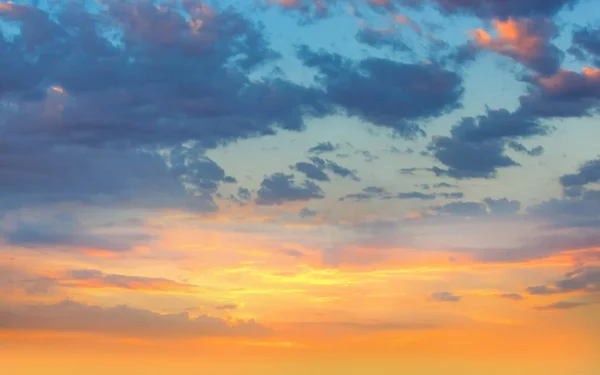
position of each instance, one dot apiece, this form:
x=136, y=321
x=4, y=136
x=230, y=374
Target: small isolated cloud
x=444, y=297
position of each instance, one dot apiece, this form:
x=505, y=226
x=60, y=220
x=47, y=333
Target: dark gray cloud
x=120, y=320
x=415, y=195
x=314, y=9
x=588, y=173
x=586, y=42
x=311, y=171
x=74, y=99
x=382, y=38
x=496, y=8
x=323, y=147
x=391, y=94
x=334, y=168
x=519, y=147
x=64, y=231
x=280, y=188
x=586, y=279
x=444, y=185
x=566, y=94
x=476, y=147
x=444, y=297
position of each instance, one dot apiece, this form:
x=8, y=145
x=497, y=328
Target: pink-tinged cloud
x=404, y=20
x=565, y=94
x=526, y=41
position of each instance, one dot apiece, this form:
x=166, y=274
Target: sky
x=300, y=186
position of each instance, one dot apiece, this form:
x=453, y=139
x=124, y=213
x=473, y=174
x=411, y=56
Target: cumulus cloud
x=79, y=105
x=565, y=94
x=476, y=147
x=121, y=321
x=526, y=41
x=393, y=94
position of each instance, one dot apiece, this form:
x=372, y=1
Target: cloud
x=502, y=206
x=444, y=297
x=586, y=42
x=588, y=173
x=323, y=147
x=89, y=278
x=391, y=95
x=74, y=99
x=335, y=168
x=512, y=296
x=519, y=147
x=280, y=188
x=586, y=279
x=415, y=195
x=230, y=306
x=311, y=171
x=562, y=305
x=526, y=41
x=476, y=147
x=565, y=94
x=71, y=316
x=292, y=253
x=64, y=231
x=307, y=212
x=539, y=247
x=492, y=8
x=461, y=209
x=380, y=38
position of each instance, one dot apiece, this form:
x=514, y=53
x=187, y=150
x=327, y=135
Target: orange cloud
x=524, y=40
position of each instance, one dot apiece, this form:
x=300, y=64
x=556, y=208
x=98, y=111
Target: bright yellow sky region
x=347, y=319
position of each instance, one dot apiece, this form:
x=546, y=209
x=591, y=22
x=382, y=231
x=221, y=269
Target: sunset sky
x=267, y=187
